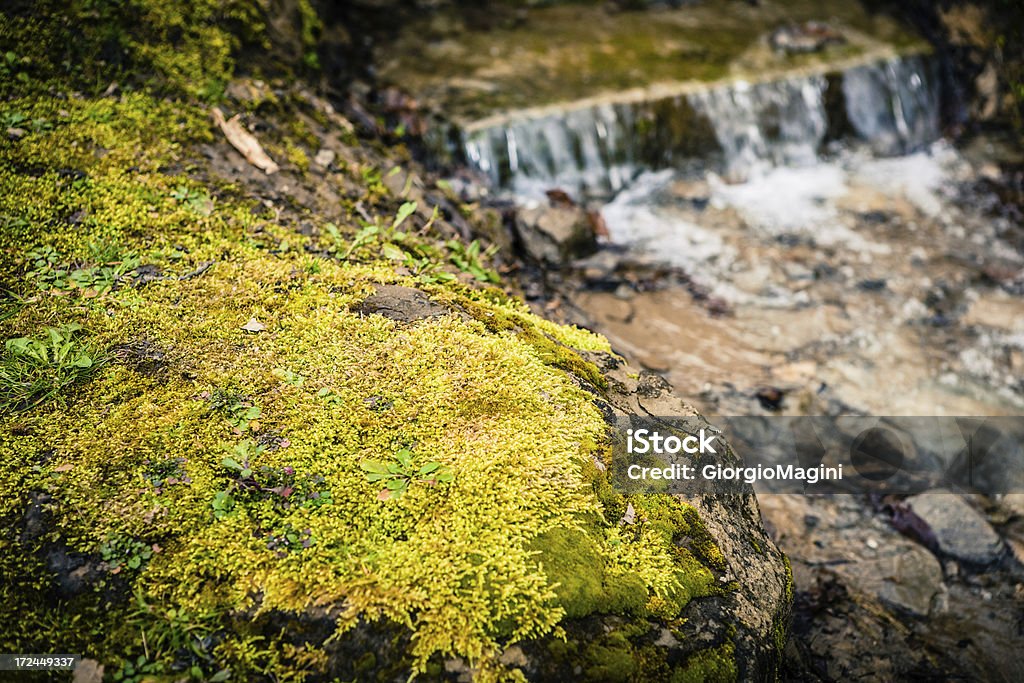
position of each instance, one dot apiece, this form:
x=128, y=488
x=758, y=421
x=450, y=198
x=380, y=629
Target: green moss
x=557, y=347
x=109, y=223
x=714, y=665
x=573, y=564
x=182, y=48
x=610, y=659
x=781, y=628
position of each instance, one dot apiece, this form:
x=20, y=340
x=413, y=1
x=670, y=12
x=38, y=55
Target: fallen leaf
x=63, y=468
x=630, y=516
x=384, y=495
x=244, y=141
x=254, y=325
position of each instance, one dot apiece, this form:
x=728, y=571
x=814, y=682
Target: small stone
x=959, y=530
x=404, y=304
x=88, y=671
x=325, y=157
x=15, y=133
x=555, y=234
x=872, y=543
x=514, y=656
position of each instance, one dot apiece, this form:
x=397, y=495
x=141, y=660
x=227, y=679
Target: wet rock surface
x=754, y=610
x=959, y=530
x=872, y=603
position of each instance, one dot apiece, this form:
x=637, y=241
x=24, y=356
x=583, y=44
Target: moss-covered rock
x=223, y=456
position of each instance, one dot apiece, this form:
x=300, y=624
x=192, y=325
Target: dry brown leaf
x=244, y=141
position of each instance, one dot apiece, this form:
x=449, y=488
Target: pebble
x=959, y=529
x=325, y=157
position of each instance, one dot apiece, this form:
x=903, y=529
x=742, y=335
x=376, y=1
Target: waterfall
x=738, y=127
x=595, y=149
x=767, y=124
x=893, y=105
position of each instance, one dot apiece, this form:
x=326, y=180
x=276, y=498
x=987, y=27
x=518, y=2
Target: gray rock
x=908, y=579
x=960, y=530
x=555, y=234
x=404, y=304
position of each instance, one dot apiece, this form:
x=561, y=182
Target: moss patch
x=166, y=512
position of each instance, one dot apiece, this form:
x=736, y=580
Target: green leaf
x=445, y=476
x=374, y=466
x=392, y=252
x=396, y=484
x=404, y=211
x=429, y=467
x=404, y=456
x=231, y=463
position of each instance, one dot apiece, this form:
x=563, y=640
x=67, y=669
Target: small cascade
x=893, y=105
x=588, y=150
x=776, y=123
x=738, y=128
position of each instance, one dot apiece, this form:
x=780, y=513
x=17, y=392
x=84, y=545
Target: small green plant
x=197, y=200
x=238, y=461
x=9, y=66
x=223, y=503
x=52, y=272
x=124, y=552
x=468, y=259
x=288, y=539
x=235, y=408
x=174, y=641
x=35, y=370
x=164, y=473
x=398, y=475
x=370, y=233
x=289, y=377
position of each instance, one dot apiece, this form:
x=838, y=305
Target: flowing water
x=828, y=215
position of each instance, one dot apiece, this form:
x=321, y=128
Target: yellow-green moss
x=714, y=665
x=182, y=48
x=128, y=471
x=573, y=564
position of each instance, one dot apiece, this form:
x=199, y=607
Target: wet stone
x=959, y=530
